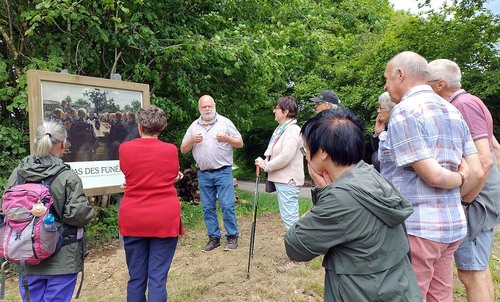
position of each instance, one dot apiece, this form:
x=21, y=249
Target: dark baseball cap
x=326, y=96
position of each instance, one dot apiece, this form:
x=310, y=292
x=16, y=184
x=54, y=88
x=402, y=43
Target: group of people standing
x=429, y=127
x=439, y=161
x=388, y=232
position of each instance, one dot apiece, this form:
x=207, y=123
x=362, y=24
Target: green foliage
x=192, y=215
x=245, y=54
x=104, y=225
x=13, y=145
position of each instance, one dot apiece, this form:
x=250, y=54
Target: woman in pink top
x=150, y=213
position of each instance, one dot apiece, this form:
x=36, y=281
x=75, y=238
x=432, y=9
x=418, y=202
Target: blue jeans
x=288, y=201
x=213, y=185
x=47, y=288
x=148, y=261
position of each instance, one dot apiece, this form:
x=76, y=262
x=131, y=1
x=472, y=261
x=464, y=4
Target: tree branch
x=12, y=48
x=7, y=8
x=115, y=63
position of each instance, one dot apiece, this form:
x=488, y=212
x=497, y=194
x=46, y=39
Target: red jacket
x=150, y=206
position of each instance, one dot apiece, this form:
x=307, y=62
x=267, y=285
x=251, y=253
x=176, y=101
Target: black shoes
x=212, y=244
x=231, y=244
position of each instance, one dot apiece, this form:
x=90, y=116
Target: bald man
x=212, y=138
x=422, y=155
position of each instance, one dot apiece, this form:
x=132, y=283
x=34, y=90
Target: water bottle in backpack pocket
x=50, y=237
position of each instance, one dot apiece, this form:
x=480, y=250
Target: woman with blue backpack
x=53, y=279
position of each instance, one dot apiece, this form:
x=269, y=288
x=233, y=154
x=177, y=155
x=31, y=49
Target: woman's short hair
x=288, y=103
x=339, y=133
x=152, y=120
x=48, y=133
x=385, y=102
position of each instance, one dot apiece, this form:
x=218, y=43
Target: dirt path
x=214, y=276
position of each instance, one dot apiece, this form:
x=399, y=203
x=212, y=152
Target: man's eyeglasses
x=303, y=150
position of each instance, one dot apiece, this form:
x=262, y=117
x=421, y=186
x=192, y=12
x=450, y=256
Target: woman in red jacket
x=150, y=213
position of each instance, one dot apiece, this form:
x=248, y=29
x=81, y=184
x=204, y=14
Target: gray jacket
x=357, y=223
x=70, y=203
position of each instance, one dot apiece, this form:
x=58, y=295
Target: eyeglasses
x=430, y=81
x=383, y=108
x=303, y=150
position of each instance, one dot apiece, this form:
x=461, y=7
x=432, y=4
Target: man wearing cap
x=326, y=100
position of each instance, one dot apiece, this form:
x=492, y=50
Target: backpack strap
x=24, y=278
x=2, y=285
x=20, y=179
x=83, y=241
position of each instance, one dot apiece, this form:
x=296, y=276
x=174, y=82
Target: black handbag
x=270, y=187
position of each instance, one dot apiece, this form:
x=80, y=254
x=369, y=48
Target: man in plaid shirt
x=422, y=156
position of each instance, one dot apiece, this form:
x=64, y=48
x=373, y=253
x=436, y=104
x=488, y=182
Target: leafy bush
x=13, y=147
x=104, y=225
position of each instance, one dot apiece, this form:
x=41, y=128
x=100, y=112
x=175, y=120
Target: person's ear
x=400, y=73
x=323, y=154
x=441, y=84
x=59, y=148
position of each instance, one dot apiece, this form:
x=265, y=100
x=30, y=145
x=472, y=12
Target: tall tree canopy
x=244, y=53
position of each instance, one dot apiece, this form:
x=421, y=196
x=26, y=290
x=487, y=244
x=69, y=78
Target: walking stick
x=254, y=220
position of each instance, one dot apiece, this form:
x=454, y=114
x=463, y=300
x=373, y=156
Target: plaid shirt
x=423, y=125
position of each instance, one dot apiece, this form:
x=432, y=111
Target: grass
x=267, y=203
x=192, y=215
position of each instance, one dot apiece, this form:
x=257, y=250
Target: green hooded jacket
x=70, y=203
x=357, y=223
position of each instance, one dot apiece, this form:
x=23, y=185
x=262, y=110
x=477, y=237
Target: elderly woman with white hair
x=379, y=133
